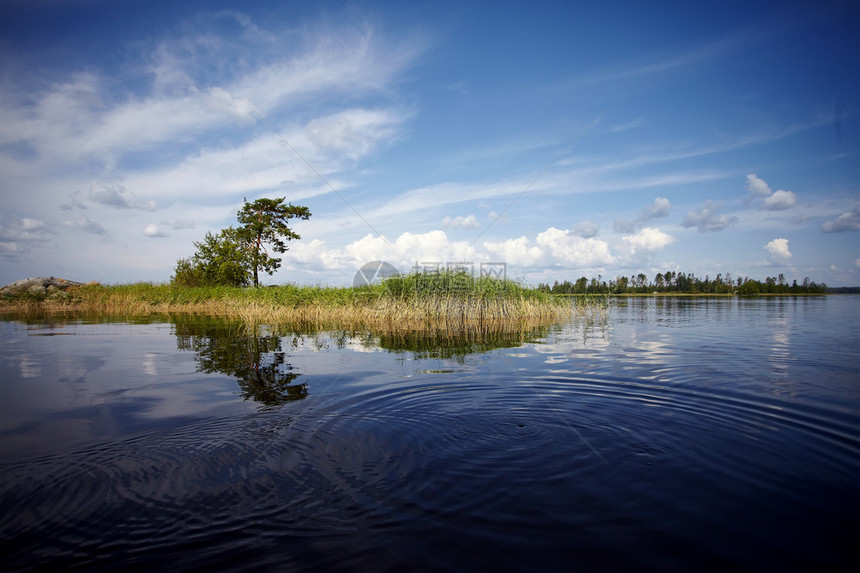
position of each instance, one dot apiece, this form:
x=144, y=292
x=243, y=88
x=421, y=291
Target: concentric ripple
x=641, y=448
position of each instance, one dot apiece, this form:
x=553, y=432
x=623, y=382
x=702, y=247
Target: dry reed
x=315, y=307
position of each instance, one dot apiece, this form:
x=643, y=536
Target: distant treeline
x=676, y=282
x=843, y=290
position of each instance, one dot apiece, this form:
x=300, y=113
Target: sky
x=563, y=139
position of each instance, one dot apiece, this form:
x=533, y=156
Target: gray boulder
x=38, y=285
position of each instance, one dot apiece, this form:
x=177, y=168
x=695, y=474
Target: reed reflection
x=454, y=345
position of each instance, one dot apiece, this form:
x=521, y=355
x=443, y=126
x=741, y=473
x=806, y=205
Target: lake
x=656, y=433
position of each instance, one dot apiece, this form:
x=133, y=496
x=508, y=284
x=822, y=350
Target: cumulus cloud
x=660, y=208
x=468, y=222
x=775, y=201
x=405, y=251
x=778, y=249
x=585, y=229
x=648, y=239
x=571, y=249
x=708, y=218
x=515, y=251
x=19, y=235
x=756, y=186
x=849, y=221
x=307, y=252
x=117, y=196
x=779, y=201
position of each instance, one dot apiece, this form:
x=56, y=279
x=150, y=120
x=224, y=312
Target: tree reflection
x=255, y=358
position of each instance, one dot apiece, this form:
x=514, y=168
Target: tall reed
x=403, y=303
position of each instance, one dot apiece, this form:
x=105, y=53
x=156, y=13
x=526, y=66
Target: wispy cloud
x=86, y=225
x=117, y=196
x=719, y=48
x=75, y=119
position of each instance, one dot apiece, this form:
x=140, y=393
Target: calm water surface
x=706, y=434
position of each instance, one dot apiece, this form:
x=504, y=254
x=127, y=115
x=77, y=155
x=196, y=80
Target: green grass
x=411, y=302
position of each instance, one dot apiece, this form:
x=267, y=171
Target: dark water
x=683, y=434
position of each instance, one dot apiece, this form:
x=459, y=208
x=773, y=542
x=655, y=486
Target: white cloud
x=586, y=229
x=153, y=231
x=407, y=250
x=468, y=222
x=779, y=201
x=240, y=107
x=857, y=263
x=660, y=208
x=515, y=251
x=77, y=120
x=19, y=235
x=757, y=187
x=776, y=201
x=648, y=239
x=570, y=249
x=306, y=252
x=778, y=249
x=354, y=132
x=708, y=218
x=849, y=221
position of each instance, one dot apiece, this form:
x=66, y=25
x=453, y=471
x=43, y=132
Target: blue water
x=684, y=434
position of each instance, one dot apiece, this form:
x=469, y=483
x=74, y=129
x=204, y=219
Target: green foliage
x=453, y=284
x=222, y=259
x=264, y=222
x=235, y=256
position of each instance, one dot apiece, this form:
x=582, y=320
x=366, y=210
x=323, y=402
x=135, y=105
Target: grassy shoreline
x=398, y=304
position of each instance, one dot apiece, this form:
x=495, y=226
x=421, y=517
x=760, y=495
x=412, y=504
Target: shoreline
x=513, y=307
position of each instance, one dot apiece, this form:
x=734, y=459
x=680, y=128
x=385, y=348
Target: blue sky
x=565, y=139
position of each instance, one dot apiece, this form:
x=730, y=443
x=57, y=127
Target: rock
x=38, y=286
